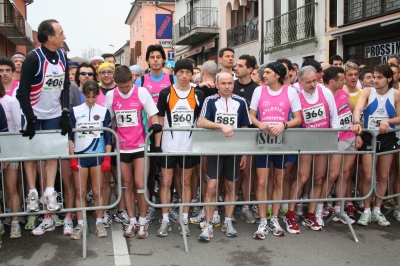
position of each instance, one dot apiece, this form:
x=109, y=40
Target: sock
x=194, y=201
x=216, y=213
x=15, y=222
x=68, y=216
x=185, y=216
x=337, y=209
x=246, y=206
x=237, y=198
x=179, y=200
x=80, y=222
x=284, y=206
x=377, y=210
x=165, y=217
x=310, y=214
x=263, y=221
x=269, y=206
x=210, y=224
x=319, y=207
x=49, y=191
x=133, y=220
x=367, y=210
x=99, y=220
x=47, y=217
x=274, y=218
x=142, y=219
x=227, y=219
x=220, y=198
x=361, y=204
x=34, y=191
x=305, y=196
x=290, y=213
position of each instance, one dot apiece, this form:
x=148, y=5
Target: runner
x=109, y=58
x=336, y=60
x=89, y=115
x=366, y=78
x=84, y=72
x=226, y=57
x=7, y=69
x=126, y=103
x=44, y=98
x=96, y=61
x=318, y=99
x=266, y=99
x=381, y=108
x=18, y=58
x=137, y=72
x=225, y=111
x=179, y=105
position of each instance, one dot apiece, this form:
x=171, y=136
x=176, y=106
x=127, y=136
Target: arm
x=263, y=126
x=65, y=92
x=16, y=113
x=385, y=124
x=333, y=112
x=362, y=101
x=107, y=135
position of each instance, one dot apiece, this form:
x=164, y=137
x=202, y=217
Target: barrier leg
x=345, y=217
x=182, y=228
x=84, y=240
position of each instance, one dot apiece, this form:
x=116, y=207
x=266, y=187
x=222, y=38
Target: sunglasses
x=106, y=72
x=86, y=73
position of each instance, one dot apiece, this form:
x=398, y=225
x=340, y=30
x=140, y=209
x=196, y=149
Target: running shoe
x=130, y=230
x=150, y=214
x=216, y=221
x=206, y=234
x=360, y=209
x=325, y=213
x=196, y=210
x=44, y=227
x=199, y=218
x=15, y=231
x=311, y=222
x=32, y=222
x=173, y=215
x=142, y=231
x=329, y=205
x=299, y=209
x=291, y=224
x=7, y=221
x=282, y=213
x=380, y=219
x=57, y=220
x=364, y=219
x=388, y=204
x=78, y=232
x=32, y=203
x=107, y=219
x=68, y=227
x=22, y=219
x=185, y=228
x=51, y=201
x=275, y=227
x=164, y=229
x=101, y=230
x=256, y=215
x=2, y=231
x=122, y=217
x=319, y=219
x=238, y=209
x=343, y=220
x=350, y=211
x=269, y=213
x=228, y=229
x=247, y=215
x=396, y=215
x=261, y=232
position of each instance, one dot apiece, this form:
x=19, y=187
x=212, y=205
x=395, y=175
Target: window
x=292, y=28
x=137, y=25
x=140, y=19
x=332, y=13
x=332, y=47
x=277, y=22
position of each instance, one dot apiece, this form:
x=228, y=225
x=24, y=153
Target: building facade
x=123, y=54
x=150, y=22
x=15, y=32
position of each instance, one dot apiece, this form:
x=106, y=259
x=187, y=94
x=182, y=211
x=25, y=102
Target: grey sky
x=86, y=23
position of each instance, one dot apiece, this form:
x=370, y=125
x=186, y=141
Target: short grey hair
x=305, y=70
x=261, y=70
x=210, y=68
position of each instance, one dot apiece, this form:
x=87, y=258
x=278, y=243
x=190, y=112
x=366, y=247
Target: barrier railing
x=255, y=142
x=50, y=144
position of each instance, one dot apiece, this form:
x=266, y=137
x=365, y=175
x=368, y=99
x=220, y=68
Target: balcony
x=198, y=25
x=294, y=28
x=14, y=26
x=243, y=33
x=361, y=10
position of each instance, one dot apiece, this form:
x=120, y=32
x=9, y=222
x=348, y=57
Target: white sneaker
x=342, y=220
x=216, y=221
x=261, y=232
x=51, y=201
x=68, y=227
x=32, y=203
x=319, y=219
x=206, y=234
x=44, y=227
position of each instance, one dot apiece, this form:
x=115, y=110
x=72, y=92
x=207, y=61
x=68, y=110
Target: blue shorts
x=264, y=161
x=45, y=124
x=291, y=158
x=90, y=162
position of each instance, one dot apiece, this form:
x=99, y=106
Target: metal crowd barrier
x=45, y=145
x=252, y=141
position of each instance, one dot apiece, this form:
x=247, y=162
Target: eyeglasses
x=86, y=73
x=106, y=72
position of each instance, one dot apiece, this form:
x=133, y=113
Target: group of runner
x=56, y=94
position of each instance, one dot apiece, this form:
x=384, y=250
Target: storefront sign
x=163, y=26
x=382, y=48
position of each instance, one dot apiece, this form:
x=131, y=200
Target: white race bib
x=53, y=82
x=375, y=121
x=126, y=118
x=314, y=113
x=228, y=119
x=346, y=120
x=88, y=134
x=182, y=118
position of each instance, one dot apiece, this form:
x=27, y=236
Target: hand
x=356, y=128
x=277, y=129
x=359, y=142
x=157, y=149
x=227, y=130
x=264, y=126
x=384, y=127
x=73, y=164
x=157, y=128
x=30, y=129
x=65, y=123
x=106, y=164
x=243, y=162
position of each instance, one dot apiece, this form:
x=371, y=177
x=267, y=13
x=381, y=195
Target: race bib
x=127, y=118
x=346, y=120
x=227, y=119
x=182, y=118
x=53, y=82
x=88, y=134
x=375, y=121
x=314, y=114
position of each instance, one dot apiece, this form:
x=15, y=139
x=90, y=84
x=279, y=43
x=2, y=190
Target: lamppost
x=112, y=45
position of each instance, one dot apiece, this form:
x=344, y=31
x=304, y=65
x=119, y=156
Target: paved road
x=333, y=246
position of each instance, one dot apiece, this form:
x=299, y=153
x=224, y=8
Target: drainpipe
x=260, y=19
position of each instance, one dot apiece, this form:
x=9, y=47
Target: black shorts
x=229, y=163
x=129, y=157
x=384, y=142
x=171, y=161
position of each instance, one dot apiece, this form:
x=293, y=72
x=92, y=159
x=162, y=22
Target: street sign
x=171, y=56
x=166, y=44
x=170, y=63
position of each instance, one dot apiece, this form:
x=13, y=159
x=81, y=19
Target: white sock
x=284, y=206
x=165, y=217
x=99, y=220
x=361, y=204
x=237, y=198
x=220, y=198
x=337, y=208
x=185, y=216
x=227, y=219
x=34, y=191
x=49, y=191
x=194, y=201
x=320, y=207
x=269, y=206
x=264, y=221
x=216, y=213
x=47, y=221
x=80, y=222
x=246, y=206
x=15, y=222
x=305, y=196
x=133, y=220
x=377, y=210
x=142, y=219
x=179, y=200
x=367, y=210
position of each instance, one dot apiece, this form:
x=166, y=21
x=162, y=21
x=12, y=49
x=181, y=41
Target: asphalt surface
x=332, y=246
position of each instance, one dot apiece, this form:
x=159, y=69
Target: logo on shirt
x=281, y=104
x=80, y=116
x=266, y=104
x=242, y=90
x=163, y=85
x=55, y=72
x=149, y=86
x=119, y=105
x=133, y=104
x=96, y=117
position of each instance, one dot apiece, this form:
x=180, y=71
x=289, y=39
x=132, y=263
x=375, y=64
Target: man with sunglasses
x=44, y=98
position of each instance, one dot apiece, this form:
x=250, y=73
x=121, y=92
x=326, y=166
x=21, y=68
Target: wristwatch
x=285, y=125
x=356, y=123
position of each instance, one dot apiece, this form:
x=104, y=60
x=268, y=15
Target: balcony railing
x=294, y=28
x=243, y=33
x=360, y=10
x=199, y=17
x=9, y=14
